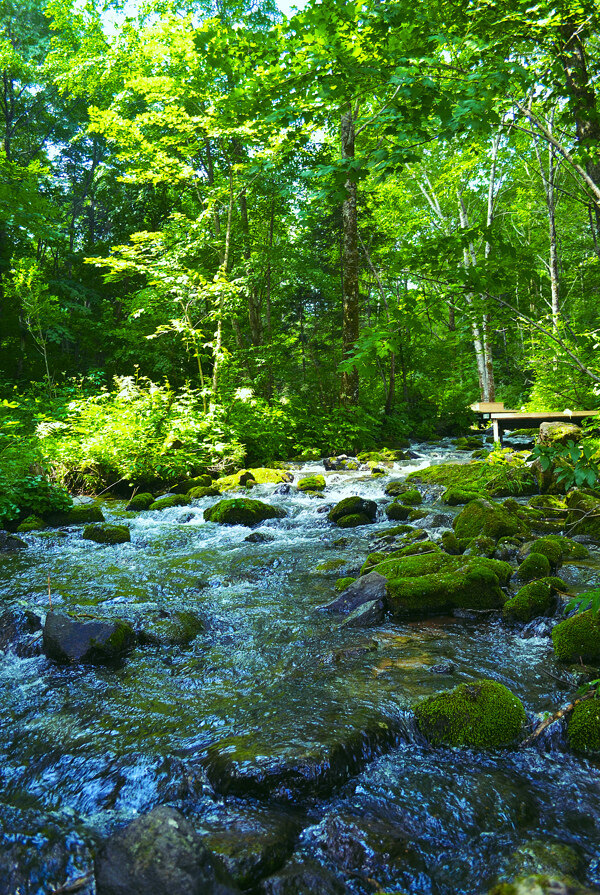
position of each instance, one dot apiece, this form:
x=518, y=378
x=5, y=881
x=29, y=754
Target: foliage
x=575, y=464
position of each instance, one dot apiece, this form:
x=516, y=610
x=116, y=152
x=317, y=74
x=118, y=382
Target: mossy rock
x=384, y=457
x=584, y=514
x=397, y=511
x=533, y=567
x=552, y=506
x=413, y=497
x=199, y=481
x=140, y=502
x=395, y=488
x=578, y=638
x=533, y=600
x=170, y=500
x=312, y=483
x=342, y=583
x=468, y=443
x=502, y=479
x=107, y=534
x=260, y=475
x=32, y=523
x=538, y=856
x=549, y=547
x=583, y=729
x=395, y=531
x=481, y=715
x=417, y=513
x=450, y=543
x=176, y=628
x=242, y=511
x=542, y=884
x=81, y=514
x=435, y=583
x=454, y=497
x=483, y=517
x=559, y=433
x=481, y=546
x=354, y=520
x=353, y=506
x=330, y=565
x=200, y=492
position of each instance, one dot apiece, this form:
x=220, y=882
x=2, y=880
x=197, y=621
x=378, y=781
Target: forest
x=273, y=234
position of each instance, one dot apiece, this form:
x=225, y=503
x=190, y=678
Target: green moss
x=542, y=884
x=583, y=730
x=81, y=514
x=331, y=565
x=532, y=600
x=481, y=546
x=242, y=511
x=200, y=481
x=551, y=506
x=342, y=583
x=140, y=502
x=416, y=514
x=397, y=512
x=495, y=478
x=171, y=500
x=312, y=483
x=450, y=543
x=372, y=560
x=394, y=532
x=199, y=493
x=577, y=638
x=385, y=456
x=260, y=475
x=353, y=520
x=395, y=488
x=550, y=548
x=468, y=443
x=107, y=534
x=353, y=506
x=412, y=497
x=454, y=497
x=32, y=523
x=534, y=566
x=480, y=715
x=483, y=517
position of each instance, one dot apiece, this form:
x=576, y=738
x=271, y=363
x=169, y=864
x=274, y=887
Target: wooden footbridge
x=501, y=419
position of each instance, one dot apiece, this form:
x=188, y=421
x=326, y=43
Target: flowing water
x=276, y=718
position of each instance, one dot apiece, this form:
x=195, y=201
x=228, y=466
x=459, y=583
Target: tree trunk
x=350, y=296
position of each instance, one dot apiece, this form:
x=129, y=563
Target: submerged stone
x=578, y=638
x=140, y=502
x=107, y=534
x=10, y=542
x=480, y=715
x=160, y=853
x=17, y=627
x=177, y=628
x=242, y=511
x=99, y=641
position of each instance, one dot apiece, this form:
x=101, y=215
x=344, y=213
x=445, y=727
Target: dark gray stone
x=11, y=542
x=369, y=588
x=17, y=627
x=100, y=641
x=367, y=615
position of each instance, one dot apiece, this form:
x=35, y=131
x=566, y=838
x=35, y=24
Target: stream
x=281, y=734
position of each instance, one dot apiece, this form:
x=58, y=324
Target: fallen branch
x=566, y=710
x=74, y=885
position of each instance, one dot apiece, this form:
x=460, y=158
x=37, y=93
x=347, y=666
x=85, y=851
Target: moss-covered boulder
x=551, y=505
x=341, y=463
x=397, y=511
x=578, y=638
x=481, y=546
x=201, y=492
x=469, y=443
x=107, y=534
x=454, y=497
x=140, y=502
x=481, y=715
x=395, y=488
x=81, y=514
x=533, y=600
x=450, y=543
x=584, y=514
x=199, y=481
x=356, y=507
x=435, y=583
x=312, y=483
x=169, y=501
x=260, y=475
x=412, y=497
x=559, y=433
x=68, y=639
x=484, y=517
x=164, y=628
x=534, y=566
x=583, y=729
x=499, y=479
x=242, y=511
x=32, y=523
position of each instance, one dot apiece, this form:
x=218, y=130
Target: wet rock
x=450, y=543
x=397, y=511
x=242, y=511
x=283, y=489
x=41, y=861
x=100, y=641
x=355, y=507
x=443, y=668
x=542, y=884
x=9, y=542
x=140, y=502
x=483, y=517
x=301, y=878
x=396, y=487
x=370, y=588
x=185, y=518
x=534, y=566
x=343, y=462
x=169, y=501
x=240, y=765
x=454, y=497
x=260, y=537
x=535, y=599
x=252, y=842
x=312, y=483
x=584, y=514
x=481, y=715
x=107, y=534
x=17, y=630
x=83, y=514
x=367, y=615
x=577, y=639
x=537, y=856
x=160, y=853
x=166, y=628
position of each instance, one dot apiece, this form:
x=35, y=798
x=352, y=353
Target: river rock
x=539, y=857
x=484, y=517
x=534, y=566
x=242, y=511
x=584, y=514
x=342, y=462
x=535, y=599
x=100, y=641
x=583, y=729
x=353, y=511
x=480, y=715
x=559, y=433
x=177, y=628
x=9, y=542
x=17, y=630
x=366, y=616
x=259, y=537
x=312, y=483
x=107, y=534
x=169, y=501
x=140, y=502
x=81, y=514
x=160, y=853
x=577, y=639
x=301, y=877
x=370, y=588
